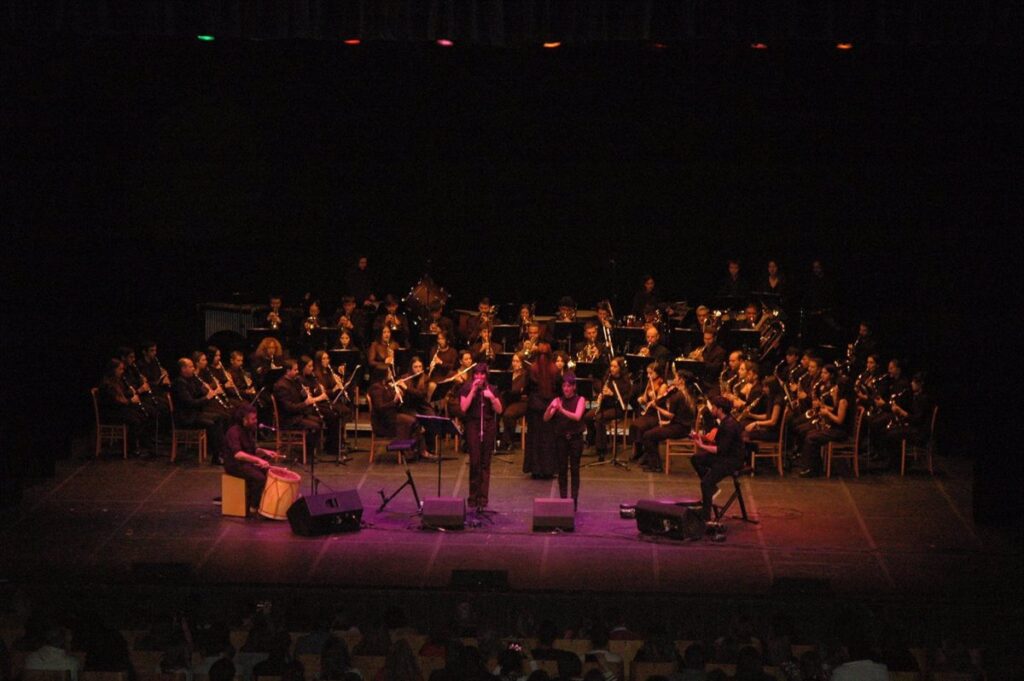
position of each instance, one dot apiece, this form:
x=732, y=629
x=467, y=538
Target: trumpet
x=697, y=354
x=274, y=319
x=310, y=325
x=391, y=321
x=645, y=351
x=528, y=347
x=345, y=323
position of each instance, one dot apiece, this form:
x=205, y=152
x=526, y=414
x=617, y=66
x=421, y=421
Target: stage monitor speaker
x=446, y=512
x=668, y=520
x=554, y=514
x=326, y=513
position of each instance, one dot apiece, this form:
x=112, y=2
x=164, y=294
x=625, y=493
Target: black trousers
x=653, y=436
x=255, y=480
x=597, y=427
x=481, y=448
x=640, y=425
x=810, y=450
x=569, y=449
x=214, y=422
x=711, y=469
x=138, y=422
x=510, y=419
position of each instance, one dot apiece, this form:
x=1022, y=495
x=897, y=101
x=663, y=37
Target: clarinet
x=340, y=383
x=316, y=405
x=219, y=398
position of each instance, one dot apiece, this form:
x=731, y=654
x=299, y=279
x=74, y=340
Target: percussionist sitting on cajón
x=242, y=458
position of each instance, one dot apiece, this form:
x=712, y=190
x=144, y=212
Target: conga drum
x=281, y=490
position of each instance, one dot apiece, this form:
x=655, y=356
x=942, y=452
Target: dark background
x=145, y=175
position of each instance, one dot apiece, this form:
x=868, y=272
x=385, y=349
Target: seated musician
x=751, y=318
x=807, y=391
x=561, y=362
x=765, y=418
x=155, y=405
x=118, y=403
x=345, y=341
x=149, y=366
x=675, y=412
x=240, y=378
x=911, y=422
x=647, y=296
x=591, y=349
x=388, y=419
x=484, y=349
x=525, y=319
x=416, y=389
x=332, y=384
x=737, y=387
x=352, y=319
x=703, y=320
x=893, y=389
x=442, y=358
x=296, y=407
x=459, y=377
x=750, y=392
x=789, y=368
x=653, y=347
x=529, y=344
x=612, y=397
x=514, y=400
x=647, y=417
x=203, y=373
x=866, y=385
x=730, y=377
x=219, y=373
x=713, y=355
x=381, y=354
x=862, y=346
x=484, y=316
x=195, y=407
x=437, y=322
x=566, y=310
x=833, y=421
x=734, y=285
x=717, y=457
x=393, y=320
x=242, y=458
x=268, y=355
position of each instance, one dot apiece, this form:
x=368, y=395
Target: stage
x=877, y=535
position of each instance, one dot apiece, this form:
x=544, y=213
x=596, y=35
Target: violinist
x=647, y=416
x=653, y=347
x=484, y=316
x=332, y=383
x=485, y=350
x=381, y=354
x=118, y=403
x=352, y=319
x=833, y=421
x=297, y=407
x=387, y=399
x=591, y=349
x=194, y=405
x=241, y=378
x=614, y=394
x=393, y=320
x=514, y=400
x=674, y=411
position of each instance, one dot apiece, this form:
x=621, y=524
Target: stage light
x=844, y=46
x=352, y=41
x=444, y=42
x=758, y=46
x=659, y=46
x=552, y=46
x=205, y=38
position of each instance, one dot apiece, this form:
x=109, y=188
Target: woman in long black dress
x=541, y=458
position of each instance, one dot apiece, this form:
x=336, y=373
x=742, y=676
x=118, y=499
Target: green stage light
x=205, y=38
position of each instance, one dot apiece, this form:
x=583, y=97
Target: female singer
x=541, y=459
x=676, y=411
x=268, y=355
x=616, y=391
x=381, y=354
x=566, y=412
x=514, y=401
x=479, y=401
x=647, y=417
x=333, y=384
x=764, y=424
x=119, y=404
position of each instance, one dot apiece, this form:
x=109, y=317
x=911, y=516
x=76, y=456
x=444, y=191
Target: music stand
x=686, y=340
x=505, y=334
x=425, y=340
x=627, y=337
x=502, y=360
x=437, y=427
x=566, y=331
x=690, y=367
x=744, y=338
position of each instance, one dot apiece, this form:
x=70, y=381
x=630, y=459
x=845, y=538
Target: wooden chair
x=772, y=450
x=107, y=432
x=915, y=451
x=185, y=436
x=377, y=438
x=641, y=671
x=287, y=439
x=680, y=447
x=846, y=449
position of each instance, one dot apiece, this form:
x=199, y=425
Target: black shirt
x=565, y=425
x=237, y=439
x=729, y=440
x=479, y=402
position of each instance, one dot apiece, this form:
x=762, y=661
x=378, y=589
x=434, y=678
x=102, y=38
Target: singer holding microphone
x=479, y=401
x=242, y=459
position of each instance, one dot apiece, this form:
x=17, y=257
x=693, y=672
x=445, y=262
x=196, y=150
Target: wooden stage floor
x=877, y=535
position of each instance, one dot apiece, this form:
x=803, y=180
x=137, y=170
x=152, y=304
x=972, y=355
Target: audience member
x=52, y=654
x=335, y=660
x=569, y=666
x=400, y=664
x=692, y=666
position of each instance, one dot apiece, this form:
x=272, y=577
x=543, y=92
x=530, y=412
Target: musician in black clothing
x=862, y=346
x=484, y=316
x=766, y=417
x=646, y=418
x=119, y=404
x=331, y=415
x=149, y=367
x=675, y=414
x=393, y=320
x=590, y=349
x=442, y=358
x=359, y=282
x=295, y=405
x=484, y=350
x=734, y=285
x=892, y=389
x=352, y=319
x=566, y=410
x=514, y=401
x=789, y=368
x=416, y=389
x=717, y=457
x=654, y=349
x=648, y=296
x=242, y=459
x=220, y=397
x=437, y=322
x=613, y=394
x=387, y=415
x=240, y=378
x=911, y=422
x=832, y=420
x=713, y=355
x=195, y=405
x=481, y=406
x=154, y=405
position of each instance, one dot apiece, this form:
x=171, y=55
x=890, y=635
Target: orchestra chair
x=107, y=432
x=522, y=433
x=641, y=671
x=846, y=449
x=378, y=436
x=287, y=439
x=915, y=450
x=678, y=447
x=771, y=450
x=456, y=441
x=186, y=436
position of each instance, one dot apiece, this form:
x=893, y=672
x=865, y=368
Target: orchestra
x=813, y=392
